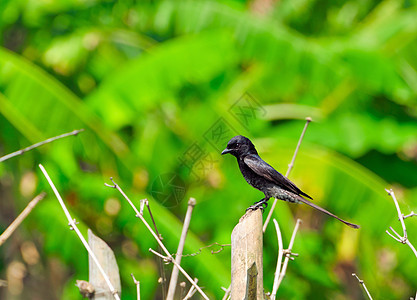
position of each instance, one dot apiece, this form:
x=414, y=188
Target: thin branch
x=279, y=260
x=363, y=285
x=290, y=166
x=21, y=151
x=175, y=271
x=137, y=283
x=160, y=264
x=13, y=226
x=191, y=292
x=395, y=238
x=226, y=293
x=288, y=253
x=411, y=247
x=140, y=216
x=164, y=258
x=400, y=215
x=153, y=220
x=412, y=214
x=74, y=227
x=402, y=239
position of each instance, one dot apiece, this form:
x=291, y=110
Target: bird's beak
x=225, y=151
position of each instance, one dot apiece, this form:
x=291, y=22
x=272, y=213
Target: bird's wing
x=260, y=167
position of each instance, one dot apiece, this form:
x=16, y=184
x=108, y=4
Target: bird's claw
x=258, y=205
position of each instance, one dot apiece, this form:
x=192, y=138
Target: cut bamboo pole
x=247, y=259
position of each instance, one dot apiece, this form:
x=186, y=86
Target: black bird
x=265, y=178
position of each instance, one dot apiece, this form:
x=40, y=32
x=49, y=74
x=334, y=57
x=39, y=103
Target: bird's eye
x=237, y=144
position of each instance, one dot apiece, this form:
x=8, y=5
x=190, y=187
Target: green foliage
x=148, y=80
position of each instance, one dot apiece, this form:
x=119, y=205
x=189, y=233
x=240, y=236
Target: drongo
x=265, y=178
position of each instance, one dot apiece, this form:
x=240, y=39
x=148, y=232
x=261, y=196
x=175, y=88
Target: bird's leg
x=260, y=204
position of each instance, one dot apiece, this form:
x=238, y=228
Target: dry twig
x=401, y=239
x=12, y=227
x=166, y=259
x=175, y=271
x=279, y=260
x=363, y=285
x=168, y=255
x=226, y=293
x=137, y=283
x=153, y=220
x=288, y=254
x=144, y=203
x=21, y=151
x=191, y=292
x=411, y=214
x=73, y=226
x=290, y=166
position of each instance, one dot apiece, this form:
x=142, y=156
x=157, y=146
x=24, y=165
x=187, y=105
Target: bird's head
x=239, y=145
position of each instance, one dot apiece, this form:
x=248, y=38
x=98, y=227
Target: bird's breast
x=251, y=177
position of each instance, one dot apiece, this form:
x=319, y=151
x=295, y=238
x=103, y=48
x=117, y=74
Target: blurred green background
x=160, y=86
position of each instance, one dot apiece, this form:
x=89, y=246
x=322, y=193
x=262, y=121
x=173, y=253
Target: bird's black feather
x=260, y=167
